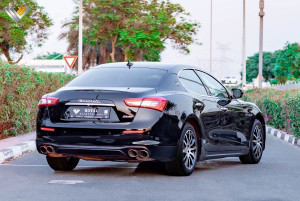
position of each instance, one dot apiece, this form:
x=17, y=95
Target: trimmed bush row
x=20, y=90
x=280, y=107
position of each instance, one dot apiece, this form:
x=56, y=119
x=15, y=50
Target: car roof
x=158, y=65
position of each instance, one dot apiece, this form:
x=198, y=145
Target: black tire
x=178, y=167
x=62, y=163
x=253, y=157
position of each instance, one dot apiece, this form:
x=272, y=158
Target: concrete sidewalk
x=14, y=147
x=8, y=142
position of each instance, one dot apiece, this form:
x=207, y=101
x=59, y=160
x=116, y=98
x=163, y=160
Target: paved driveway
x=275, y=178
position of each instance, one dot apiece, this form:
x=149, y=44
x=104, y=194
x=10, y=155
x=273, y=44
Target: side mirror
x=224, y=101
x=237, y=93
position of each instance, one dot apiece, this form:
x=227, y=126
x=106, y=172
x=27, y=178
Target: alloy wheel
x=257, y=142
x=189, y=149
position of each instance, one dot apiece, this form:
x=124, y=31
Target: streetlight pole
x=80, y=40
x=261, y=15
x=211, y=30
x=244, y=44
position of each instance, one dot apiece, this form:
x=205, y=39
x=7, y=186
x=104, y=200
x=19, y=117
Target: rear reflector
x=155, y=103
x=133, y=132
x=48, y=101
x=47, y=129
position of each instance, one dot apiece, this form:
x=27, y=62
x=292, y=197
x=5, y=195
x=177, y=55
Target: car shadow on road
x=146, y=168
x=216, y=164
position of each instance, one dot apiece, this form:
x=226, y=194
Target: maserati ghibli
x=148, y=111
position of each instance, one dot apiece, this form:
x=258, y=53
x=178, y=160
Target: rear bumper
x=107, y=141
x=112, y=153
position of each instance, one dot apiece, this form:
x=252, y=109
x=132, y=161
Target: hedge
x=20, y=90
x=280, y=107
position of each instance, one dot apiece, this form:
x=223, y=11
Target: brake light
x=48, y=101
x=47, y=129
x=133, y=131
x=155, y=103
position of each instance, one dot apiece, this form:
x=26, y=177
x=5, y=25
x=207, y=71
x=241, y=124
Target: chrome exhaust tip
x=43, y=149
x=144, y=154
x=133, y=153
x=50, y=150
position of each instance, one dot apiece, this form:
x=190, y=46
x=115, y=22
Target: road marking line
x=67, y=182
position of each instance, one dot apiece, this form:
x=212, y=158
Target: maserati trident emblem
x=76, y=111
x=16, y=15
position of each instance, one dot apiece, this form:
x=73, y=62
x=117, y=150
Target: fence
x=286, y=86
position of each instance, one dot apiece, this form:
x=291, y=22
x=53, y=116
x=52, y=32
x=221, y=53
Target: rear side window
x=190, y=75
x=119, y=77
x=192, y=82
x=215, y=88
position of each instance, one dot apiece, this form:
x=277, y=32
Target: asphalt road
x=275, y=178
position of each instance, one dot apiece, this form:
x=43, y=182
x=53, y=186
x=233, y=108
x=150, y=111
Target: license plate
x=89, y=112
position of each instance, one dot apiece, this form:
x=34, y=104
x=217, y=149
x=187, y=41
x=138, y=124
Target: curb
x=17, y=150
x=283, y=136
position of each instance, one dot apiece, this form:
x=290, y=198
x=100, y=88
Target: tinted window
x=119, y=77
x=190, y=74
x=193, y=86
x=192, y=82
x=215, y=88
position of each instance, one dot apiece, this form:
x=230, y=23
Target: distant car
x=175, y=114
x=229, y=80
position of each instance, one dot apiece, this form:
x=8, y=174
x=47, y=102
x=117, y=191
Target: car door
x=205, y=108
x=233, y=126
x=230, y=138
x=241, y=116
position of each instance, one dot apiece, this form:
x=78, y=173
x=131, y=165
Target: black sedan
x=143, y=111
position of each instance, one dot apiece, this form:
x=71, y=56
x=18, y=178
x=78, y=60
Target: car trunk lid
x=96, y=104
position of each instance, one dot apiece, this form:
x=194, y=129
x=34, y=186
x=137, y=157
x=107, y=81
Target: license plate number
x=89, y=112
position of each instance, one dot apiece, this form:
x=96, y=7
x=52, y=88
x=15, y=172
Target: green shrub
x=280, y=107
x=20, y=90
x=274, y=81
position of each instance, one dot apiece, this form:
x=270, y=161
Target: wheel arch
x=261, y=119
x=194, y=121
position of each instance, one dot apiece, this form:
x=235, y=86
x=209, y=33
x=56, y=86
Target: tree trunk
x=17, y=60
x=102, y=57
x=7, y=55
x=112, y=54
x=125, y=57
x=113, y=48
x=126, y=51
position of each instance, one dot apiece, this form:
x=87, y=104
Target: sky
x=281, y=24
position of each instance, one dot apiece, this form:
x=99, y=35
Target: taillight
x=48, y=101
x=156, y=103
x=47, y=129
x=133, y=131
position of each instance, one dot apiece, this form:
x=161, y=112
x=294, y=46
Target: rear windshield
x=119, y=77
